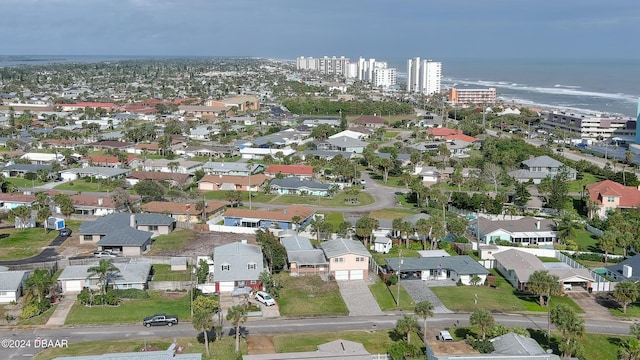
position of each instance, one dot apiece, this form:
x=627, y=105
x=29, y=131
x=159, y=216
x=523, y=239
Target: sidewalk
x=60, y=313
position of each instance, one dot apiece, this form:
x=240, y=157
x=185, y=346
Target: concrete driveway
x=419, y=291
x=358, y=297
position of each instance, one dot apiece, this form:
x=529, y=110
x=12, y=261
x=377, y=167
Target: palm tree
x=22, y=213
x=237, y=315
x=201, y=321
x=566, y=228
x=105, y=271
x=483, y=319
x=625, y=293
x=38, y=286
x=406, y=325
x=424, y=309
x=607, y=242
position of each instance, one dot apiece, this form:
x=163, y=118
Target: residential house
x=170, y=354
x=111, y=145
x=9, y=201
x=303, y=258
x=299, y=186
x=98, y=205
x=343, y=143
x=149, y=148
x=348, y=259
x=541, y=167
x=526, y=231
x=209, y=151
x=232, y=168
x=16, y=170
x=370, y=121
x=441, y=133
x=609, y=195
x=106, y=161
x=208, y=112
x=382, y=243
x=301, y=171
x=352, y=134
x=133, y=275
x=60, y=143
x=432, y=174
x=178, y=166
x=628, y=269
x=279, y=218
x=517, y=266
x=180, y=180
x=337, y=349
x=318, y=121
x=185, y=212
x=260, y=153
x=240, y=102
x=326, y=154
x=82, y=105
x=238, y=266
x=128, y=234
x=11, y=285
x=451, y=268
x=254, y=183
x=43, y=158
x=93, y=172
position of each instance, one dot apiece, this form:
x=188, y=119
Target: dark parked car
x=65, y=232
x=160, y=320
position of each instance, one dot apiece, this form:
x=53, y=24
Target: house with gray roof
x=303, y=258
x=12, y=285
x=526, y=231
x=125, y=233
x=231, y=168
x=629, y=269
x=21, y=169
x=326, y=154
x=343, y=143
x=170, y=354
x=130, y=275
x=94, y=172
x=541, y=167
x=348, y=259
x=337, y=349
x=299, y=186
x=238, y=266
x=461, y=268
x=509, y=346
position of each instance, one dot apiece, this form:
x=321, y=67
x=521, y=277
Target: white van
x=445, y=336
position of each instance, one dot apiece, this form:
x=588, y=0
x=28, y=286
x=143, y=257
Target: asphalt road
x=264, y=327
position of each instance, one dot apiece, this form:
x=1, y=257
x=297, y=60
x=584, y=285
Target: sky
x=286, y=29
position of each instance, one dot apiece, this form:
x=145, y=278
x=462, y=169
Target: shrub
x=30, y=311
x=86, y=297
x=130, y=293
x=392, y=280
x=483, y=346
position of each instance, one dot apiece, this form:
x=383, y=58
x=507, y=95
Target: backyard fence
x=599, y=283
x=170, y=285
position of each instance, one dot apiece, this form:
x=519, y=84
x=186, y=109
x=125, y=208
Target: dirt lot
x=260, y=345
x=206, y=241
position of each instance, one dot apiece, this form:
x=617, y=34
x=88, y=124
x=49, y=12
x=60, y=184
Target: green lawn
x=578, y=185
x=24, y=183
x=602, y=346
x=633, y=311
x=338, y=200
x=18, y=244
x=40, y=319
x=386, y=297
x=81, y=186
x=163, y=272
x=310, y=296
x=173, y=241
x=548, y=259
x=391, y=135
x=223, y=349
x=586, y=241
x=334, y=218
x=391, y=214
x=257, y=197
x=376, y=342
x=503, y=298
x=130, y=311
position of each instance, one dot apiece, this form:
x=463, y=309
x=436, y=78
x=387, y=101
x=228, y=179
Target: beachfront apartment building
x=384, y=77
x=591, y=126
x=472, y=96
x=424, y=76
x=325, y=65
x=376, y=72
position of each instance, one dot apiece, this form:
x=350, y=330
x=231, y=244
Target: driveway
x=419, y=291
x=596, y=306
x=358, y=297
x=50, y=253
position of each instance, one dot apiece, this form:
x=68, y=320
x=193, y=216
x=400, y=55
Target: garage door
x=227, y=286
x=74, y=285
x=342, y=275
x=357, y=274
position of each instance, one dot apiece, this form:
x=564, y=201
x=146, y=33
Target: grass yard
x=40, y=319
x=376, y=342
x=602, y=346
x=163, y=272
x=633, y=311
x=130, y=311
x=587, y=178
x=256, y=197
x=23, y=183
x=173, y=241
x=334, y=218
x=503, y=298
x=310, y=296
x=548, y=259
x=80, y=185
x=16, y=244
x=338, y=200
x=391, y=214
x=223, y=349
x=386, y=297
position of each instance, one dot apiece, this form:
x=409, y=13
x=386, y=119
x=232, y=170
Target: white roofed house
x=11, y=285
x=348, y=259
x=130, y=276
x=449, y=268
x=303, y=258
x=43, y=158
x=541, y=167
x=94, y=172
x=178, y=166
x=238, y=266
x=526, y=231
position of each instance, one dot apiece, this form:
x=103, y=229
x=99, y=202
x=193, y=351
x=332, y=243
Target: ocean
x=604, y=86
x=591, y=86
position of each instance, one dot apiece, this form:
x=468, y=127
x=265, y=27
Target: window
x=611, y=199
x=338, y=260
x=251, y=266
x=87, y=238
x=4, y=293
x=360, y=259
x=226, y=267
x=253, y=282
x=153, y=227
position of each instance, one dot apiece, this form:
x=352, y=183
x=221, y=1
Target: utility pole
x=398, y=283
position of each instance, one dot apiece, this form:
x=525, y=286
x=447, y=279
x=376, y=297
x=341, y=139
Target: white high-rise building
x=384, y=77
x=375, y=72
x=424, y=76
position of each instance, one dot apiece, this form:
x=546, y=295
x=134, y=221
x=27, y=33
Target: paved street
x=358, y=297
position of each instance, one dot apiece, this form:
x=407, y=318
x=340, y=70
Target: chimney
x=538, y=225
x=100, y=201
x=132, y=221
x=627, y=271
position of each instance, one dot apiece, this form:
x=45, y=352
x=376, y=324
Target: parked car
x=66, y=232
x=160, y=320
x=104, y=254
x=265, y=298
x=445, y=336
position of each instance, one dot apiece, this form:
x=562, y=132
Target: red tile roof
x=290, y=170
x=629, y=195
x=90, y=104
x=17, y=197
x=451, y=134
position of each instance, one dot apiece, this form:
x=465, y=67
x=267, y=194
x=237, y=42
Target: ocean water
x=606, y=86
